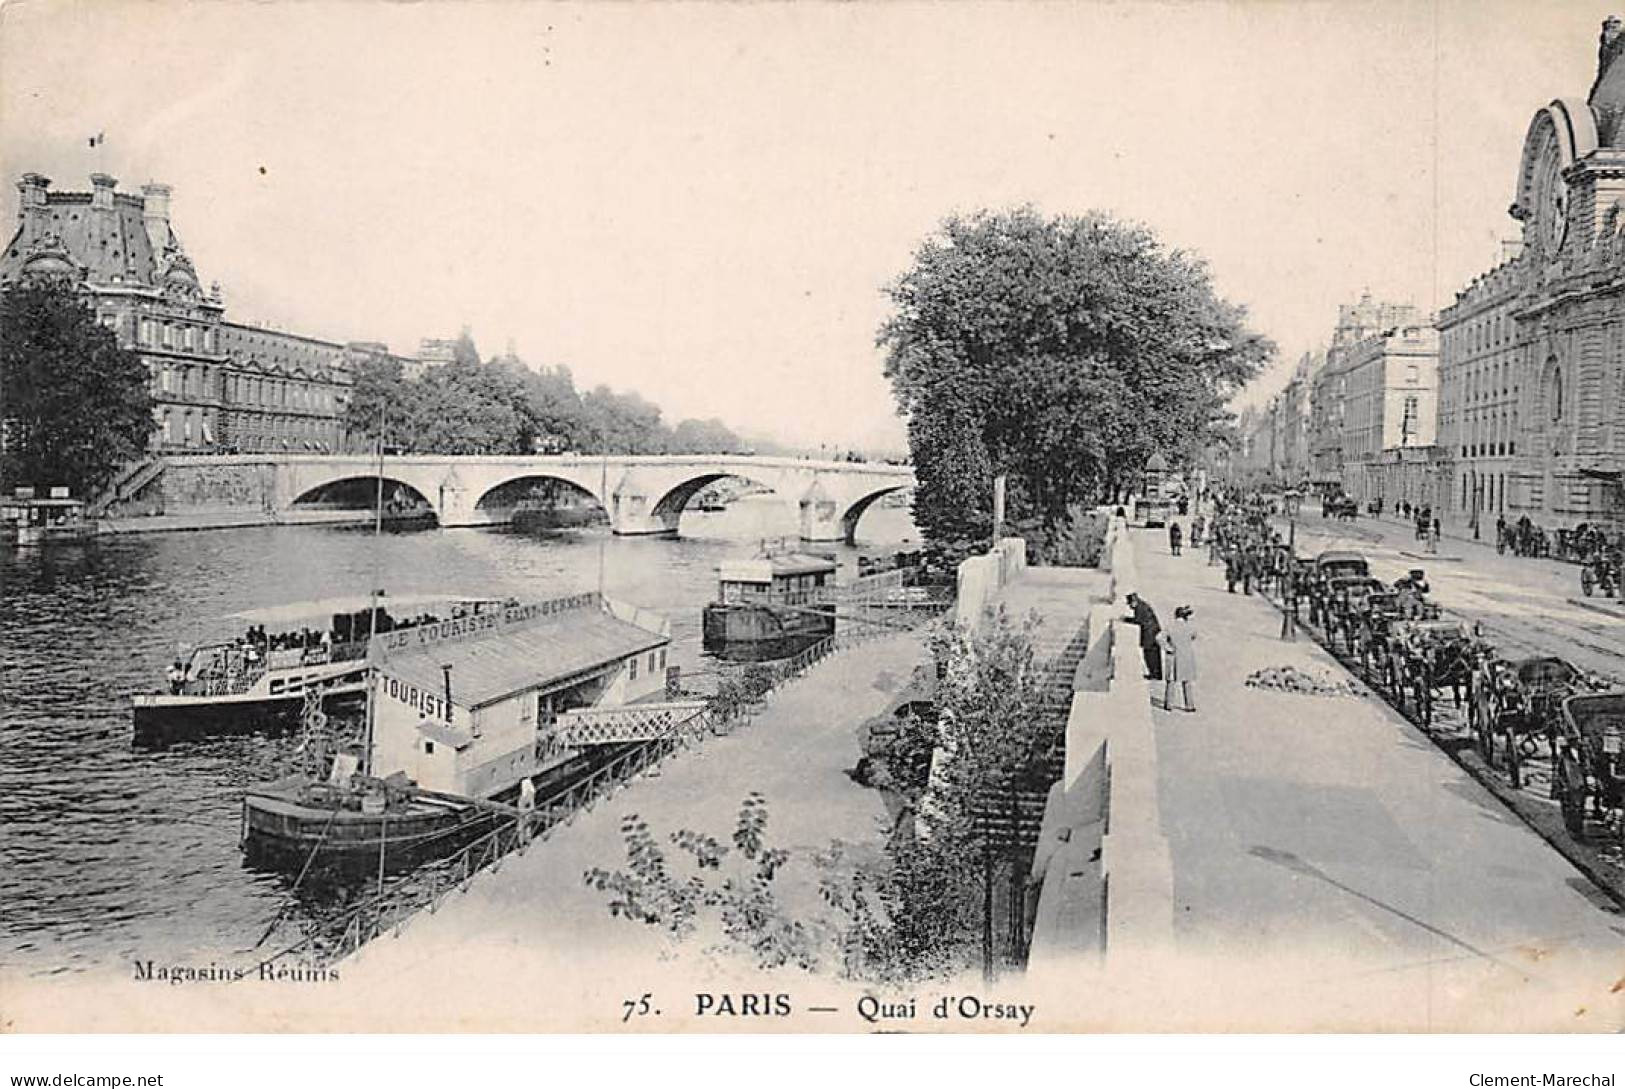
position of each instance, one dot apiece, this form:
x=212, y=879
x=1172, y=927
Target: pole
x=998, y=509
x=603, y=490
x=372, y=597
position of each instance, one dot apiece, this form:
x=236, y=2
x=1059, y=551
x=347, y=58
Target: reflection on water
x=109, y=853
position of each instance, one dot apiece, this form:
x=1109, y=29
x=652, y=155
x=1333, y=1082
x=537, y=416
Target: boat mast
x=603, y=490
x=372, y=598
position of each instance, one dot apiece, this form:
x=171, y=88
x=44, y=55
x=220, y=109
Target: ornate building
x=219, y=385
x=1535, y=356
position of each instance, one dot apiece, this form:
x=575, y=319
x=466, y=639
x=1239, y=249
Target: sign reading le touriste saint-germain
x=466, y=627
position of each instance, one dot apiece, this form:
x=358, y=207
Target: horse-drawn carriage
x=1327, y=566
x=1426, y=654
x=1590, y=778
x=1343, y=508
x=1517, y=703
x=1357, y=608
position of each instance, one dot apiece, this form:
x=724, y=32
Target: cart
x=1523, y=700
x=1590, y=779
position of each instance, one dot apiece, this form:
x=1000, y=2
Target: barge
x=769, y=604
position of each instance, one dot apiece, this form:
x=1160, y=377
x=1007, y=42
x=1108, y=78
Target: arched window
x=1554, y=390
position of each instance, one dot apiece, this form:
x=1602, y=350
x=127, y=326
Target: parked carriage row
x=1515, y=706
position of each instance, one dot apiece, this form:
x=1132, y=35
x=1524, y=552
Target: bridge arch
x=854, y=512
x=669, y=507
x=359, y=492
x=510, y=493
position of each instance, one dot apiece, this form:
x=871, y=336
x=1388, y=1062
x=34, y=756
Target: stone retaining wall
x=1107, y=891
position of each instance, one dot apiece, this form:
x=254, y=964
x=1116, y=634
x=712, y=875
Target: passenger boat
x=28, y=520
x=466, y=719
x=771, y=602
x=258, y=679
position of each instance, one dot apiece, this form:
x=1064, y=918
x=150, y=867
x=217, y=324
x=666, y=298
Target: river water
x=111, y=854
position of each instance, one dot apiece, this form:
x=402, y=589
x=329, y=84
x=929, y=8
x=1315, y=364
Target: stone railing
x=1106, y=879
x=982, y=577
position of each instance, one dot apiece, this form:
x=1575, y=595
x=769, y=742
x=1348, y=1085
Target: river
x=111, y=854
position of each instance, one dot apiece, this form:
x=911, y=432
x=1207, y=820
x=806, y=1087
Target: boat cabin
x=471, y=706
x=286, y=641
x=789, y=578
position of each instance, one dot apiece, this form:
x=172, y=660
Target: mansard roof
x=108, y=246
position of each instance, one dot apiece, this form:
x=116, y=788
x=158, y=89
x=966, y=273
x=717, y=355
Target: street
x=1325, y=839
x=1525, y=606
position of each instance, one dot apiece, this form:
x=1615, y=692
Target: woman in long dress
x=1179, y=663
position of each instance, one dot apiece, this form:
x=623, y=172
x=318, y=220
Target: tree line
x=505, y=406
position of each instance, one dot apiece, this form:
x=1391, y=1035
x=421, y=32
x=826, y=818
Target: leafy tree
x=730, y=895
x=75, y=406
x=710, y=436
x=1059, y=351
x=623, y=423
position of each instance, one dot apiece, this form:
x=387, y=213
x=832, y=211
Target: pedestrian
x=1175, y=537
x=1143, y=615
x=1179, y=640
x=1232, y=569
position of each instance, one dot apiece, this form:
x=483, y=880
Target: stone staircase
x=126, y=485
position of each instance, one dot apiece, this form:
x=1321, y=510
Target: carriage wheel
x=1485, y=740
x=1588, y=581
x=1514, y=759
x=1571, y=795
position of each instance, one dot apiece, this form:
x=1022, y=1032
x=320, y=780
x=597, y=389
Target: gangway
x=631, y=722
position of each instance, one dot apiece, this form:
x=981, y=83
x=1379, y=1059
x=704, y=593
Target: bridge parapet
x=642, y=494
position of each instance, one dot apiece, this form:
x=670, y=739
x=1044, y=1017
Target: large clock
x=1550, y=198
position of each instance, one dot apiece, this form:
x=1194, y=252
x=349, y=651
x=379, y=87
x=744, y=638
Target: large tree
x=75, y=406
x=1059, y=351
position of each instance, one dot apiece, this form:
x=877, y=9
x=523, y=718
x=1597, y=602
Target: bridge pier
x=821, y=515
x=634, y=509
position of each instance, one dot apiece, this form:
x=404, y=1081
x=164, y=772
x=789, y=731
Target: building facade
x=1535, y=357
x=1390, y=389
x=219, y=385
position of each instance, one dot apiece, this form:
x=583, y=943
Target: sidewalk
x=535, y=923
x=1331, y=864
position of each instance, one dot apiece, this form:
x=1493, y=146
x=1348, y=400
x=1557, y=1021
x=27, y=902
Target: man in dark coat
x=1150, y=627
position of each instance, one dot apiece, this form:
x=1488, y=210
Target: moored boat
x=26, y=519
x=258, y=679
x=467, y=720
x=773, y=600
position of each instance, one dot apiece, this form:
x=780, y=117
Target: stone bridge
x=642, y=494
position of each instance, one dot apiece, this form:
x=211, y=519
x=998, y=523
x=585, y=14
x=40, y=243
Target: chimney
x=101, y=195
x=31, y=196
x=155, y=214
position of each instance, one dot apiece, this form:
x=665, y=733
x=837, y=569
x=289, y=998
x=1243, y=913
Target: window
x=634, y=674
x=1554, y=392
x=651, y=661
x=662, y=658
x=428, y=747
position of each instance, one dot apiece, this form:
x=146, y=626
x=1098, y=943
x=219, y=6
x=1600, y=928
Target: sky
x=705, y=202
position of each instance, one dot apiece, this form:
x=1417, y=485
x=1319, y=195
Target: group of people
x=1169, y=652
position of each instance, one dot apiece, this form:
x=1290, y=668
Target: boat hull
x=281, y=833
x=163, y=719
x=284, y=829
x=728, y=626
